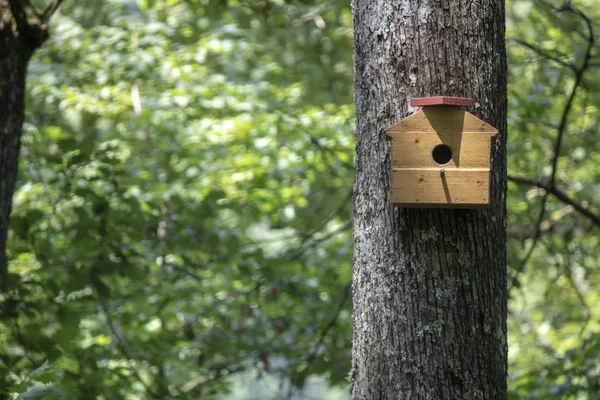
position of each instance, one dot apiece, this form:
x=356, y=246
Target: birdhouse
x=441, y=156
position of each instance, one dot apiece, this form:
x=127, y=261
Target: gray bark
x=429, y=285
x=16, y=48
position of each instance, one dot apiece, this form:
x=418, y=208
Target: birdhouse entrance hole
x=441, y=154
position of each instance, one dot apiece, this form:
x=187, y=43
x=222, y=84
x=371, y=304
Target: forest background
x=182, y=223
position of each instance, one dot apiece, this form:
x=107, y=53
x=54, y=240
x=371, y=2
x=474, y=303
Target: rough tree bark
x=429, y=285
x=22, y=31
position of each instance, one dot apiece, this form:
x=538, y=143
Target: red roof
x=441, y=101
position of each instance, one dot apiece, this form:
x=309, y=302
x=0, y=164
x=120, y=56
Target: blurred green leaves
x=184, y=204
x=175, y=222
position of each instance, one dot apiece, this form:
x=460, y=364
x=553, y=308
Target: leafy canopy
x=184, y=204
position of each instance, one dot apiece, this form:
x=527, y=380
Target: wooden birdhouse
x=441, y=156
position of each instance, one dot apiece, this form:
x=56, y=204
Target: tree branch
x=559, y=194
x=17, y=9
x=564, y=269
x=578, y=80
x=122, y=347
x=550, y=187
x=328, y=150
x=50, y=10
x=536, y=237
x=313, y=354
x=121, y=344
x=345, y=294
x=303, y=248
x=546, y=54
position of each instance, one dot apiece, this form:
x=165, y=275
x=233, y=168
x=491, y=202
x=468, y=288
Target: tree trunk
x=16, y=48
x=429, y=285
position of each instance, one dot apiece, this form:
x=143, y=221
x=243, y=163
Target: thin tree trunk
x=16, y=48
x=429, y=285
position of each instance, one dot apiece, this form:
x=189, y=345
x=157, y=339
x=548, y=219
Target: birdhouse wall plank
x=469, y=150
x=455, y=188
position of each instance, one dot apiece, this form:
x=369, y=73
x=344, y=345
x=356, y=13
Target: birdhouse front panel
x=441, y=158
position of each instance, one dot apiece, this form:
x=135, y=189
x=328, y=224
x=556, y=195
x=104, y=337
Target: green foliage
x=184, y=204
x=553, y=326
x=183, y=211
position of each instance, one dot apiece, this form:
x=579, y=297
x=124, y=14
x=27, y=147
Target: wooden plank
x=441, y=100
x=427, y=187
x=469, y=150
x=441, y=120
